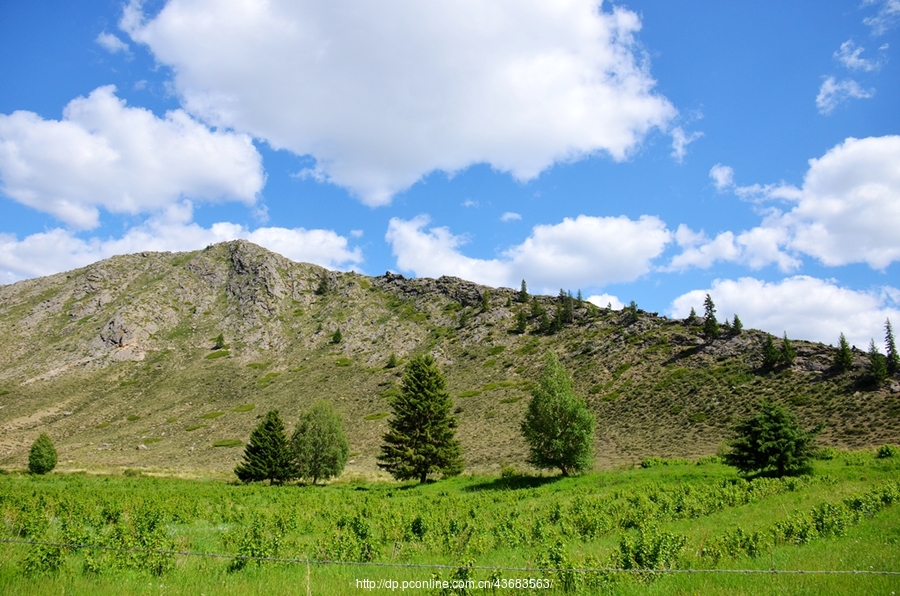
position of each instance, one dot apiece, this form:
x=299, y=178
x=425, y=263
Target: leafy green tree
x=877, y=366
x=737, y=325
x=337, y=337
x=843, y=358
x=318, y=444
x=787, y=354
x=522, y=296
x=770, y=353
x=536, y=308
x=268, y=455
x=890, y=346
x=771, y=440
x=521, y=322
x=558, y=426
x=42, y=457
x=631, y=312
x=710, y=324
x=421, y=433
x=692, y=318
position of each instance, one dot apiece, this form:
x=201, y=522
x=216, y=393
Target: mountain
x=117, y=363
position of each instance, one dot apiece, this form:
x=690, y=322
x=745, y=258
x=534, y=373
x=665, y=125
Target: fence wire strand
x=308, y=561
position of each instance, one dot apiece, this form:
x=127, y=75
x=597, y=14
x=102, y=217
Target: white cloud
x=604, y=300
x=849, y=55
x=126, y=160
x=386, y=92
x=847, y=211
x=582, y=252
x=510, y=216
x=60, y=250
x=804, y=307
x=722, y=176
x=111, y=43
x=680, y=141
x=833, y=93
x=887, y=17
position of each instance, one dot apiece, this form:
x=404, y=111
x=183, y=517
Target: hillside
x=115, y=361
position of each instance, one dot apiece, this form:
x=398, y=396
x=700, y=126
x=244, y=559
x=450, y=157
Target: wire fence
x=308, y=561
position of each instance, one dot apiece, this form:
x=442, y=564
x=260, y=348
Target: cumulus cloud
x=850, y=55
x=722, y=176
x=604, y=300
x=171, y=230
x=833, y=93
x=387, y=92
x=123, y=159
x=111, y=43
x=846, y=211
x=804, y=307
x=510, y=216
x=582, y=252
x=680, y=141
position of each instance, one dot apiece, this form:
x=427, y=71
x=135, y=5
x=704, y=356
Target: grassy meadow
x=672, y=514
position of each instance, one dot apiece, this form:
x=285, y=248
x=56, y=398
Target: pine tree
x=579, y=298
x=558, y=426
x=42, y=457
x=392, y=361
x=770, y=353
x=890, y=347
x=421, y=433
x=692, y=318
x=877, y=365
x=522, y=296
x=710, y=325
x=631, y=312
x=267, y=455
x=787, y=354
x=337, y=336
x=737, y=326
x=220, y=343
x=771, y=440
x=485, y=300
x=319, y=446
x=536, y=308
x=521, y=322
x=843, y=358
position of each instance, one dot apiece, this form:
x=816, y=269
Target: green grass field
x=673, y=515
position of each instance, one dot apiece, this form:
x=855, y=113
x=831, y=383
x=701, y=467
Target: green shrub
x=133, y=417
x=42, y=457
x=887, y=451
x=244, y=408
x=343, y=362
x=195, y=427
x=212, y=415
x=218, y=354
x=228, y=443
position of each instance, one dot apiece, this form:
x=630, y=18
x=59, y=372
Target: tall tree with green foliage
x=843, y=358
x=737, y=326
x=631, y=312
x=890, y=347
x=710, y=324
x=522, y=296
x=319, y=445
x=42, y=456
x=421, y=437
x=787, y=353
x=521, y=322
x=771, y=440
x=268, y=455
x=877, y=365
x=558, y=426
x=770, y=353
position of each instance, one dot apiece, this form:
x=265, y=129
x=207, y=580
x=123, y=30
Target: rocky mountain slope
x=116, y=362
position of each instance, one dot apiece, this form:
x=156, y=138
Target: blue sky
x=647, y=150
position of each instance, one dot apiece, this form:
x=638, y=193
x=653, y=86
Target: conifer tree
x=521, y=322
x=692, y=318
x=42, y=456
x=631, y=312
x=337, y=336
x=843, y=358
x=890, y=347
x=737, y=326
x=787, y=354
x=267, y=455
x=770, y=353
x=485, y=300
x=522, y=296
x=558, y=426
x=392, y=361
x=421, y=433
x=319, y=446
x=877, y=365
x=771, y=440
x=710, y=325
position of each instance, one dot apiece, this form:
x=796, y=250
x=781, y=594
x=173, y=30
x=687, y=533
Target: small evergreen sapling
x=337, y=337
x=770, y=354
x=787, y=354
x=771, y=440
x=522, y=296
x=877, y=366
x=710, y=324
x=267, y=455
x=42, y=457
x=737, y=326
x=890, y=346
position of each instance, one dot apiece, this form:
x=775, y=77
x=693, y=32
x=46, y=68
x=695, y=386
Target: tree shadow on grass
x=513, y=483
